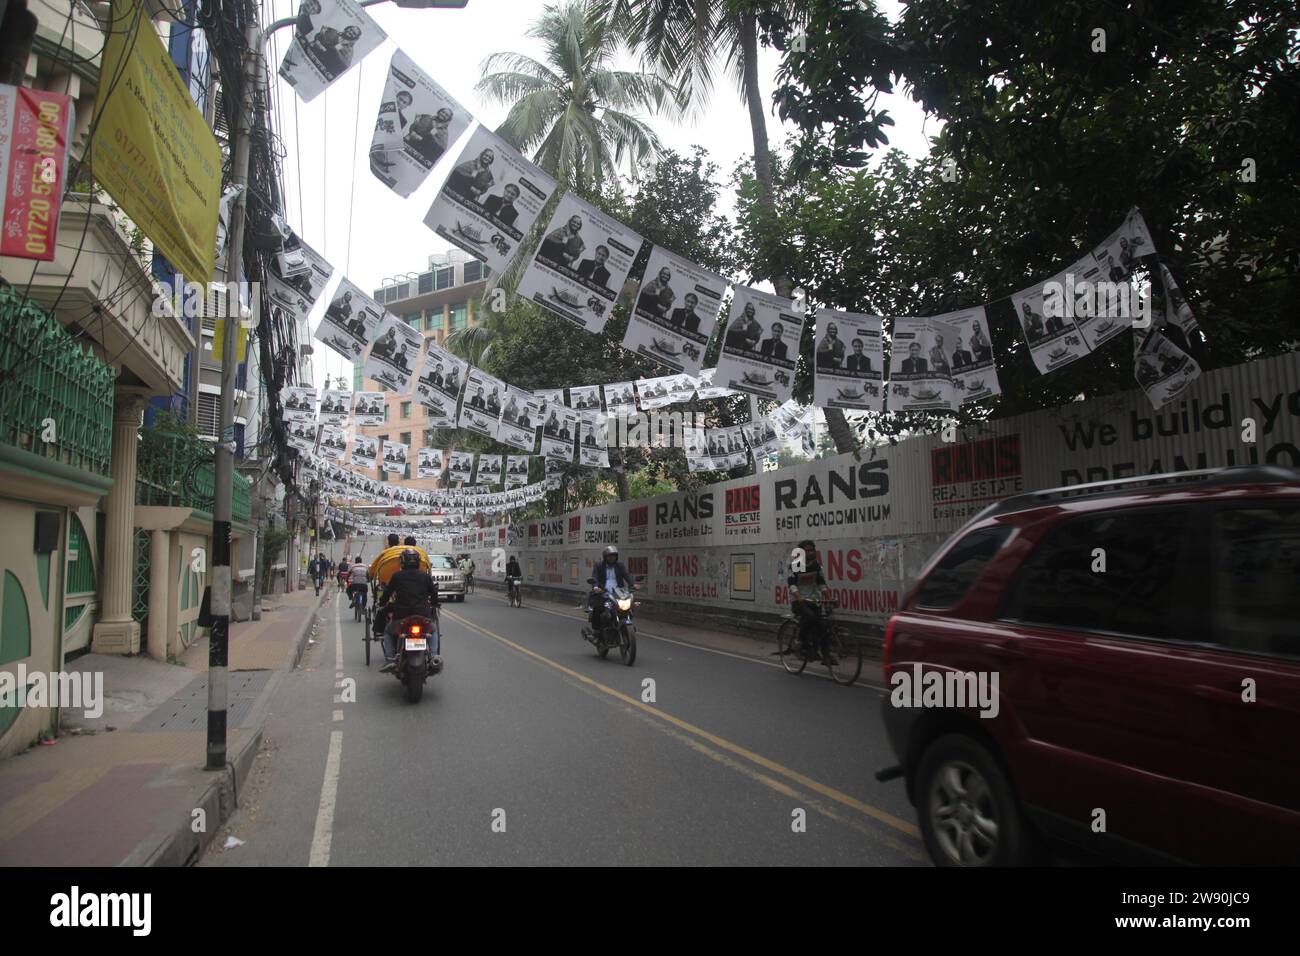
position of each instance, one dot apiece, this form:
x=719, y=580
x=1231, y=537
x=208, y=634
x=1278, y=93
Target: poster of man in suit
x=581, y=265
x=476, y=412
x=369, y=408
x=418, y=121
x=490, y=200
x=849, y=370
x=429, y=462
x=350, y=321
x=297, y=293
x=393, y=354
x=1050, y=350
x=520, y=419
x=970, y=356
x=675, y=312
x=915, y=383
x=560, y=433
x=438, y=386
x=761, y=345
x=335, y=406
x=329, y=36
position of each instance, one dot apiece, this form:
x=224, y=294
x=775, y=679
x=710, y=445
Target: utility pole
x=219, y=641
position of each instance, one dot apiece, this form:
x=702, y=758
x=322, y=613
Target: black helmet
x=410, y=558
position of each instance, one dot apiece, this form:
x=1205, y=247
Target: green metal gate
x=140, y=579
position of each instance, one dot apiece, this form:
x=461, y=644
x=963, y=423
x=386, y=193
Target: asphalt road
x=529, y=750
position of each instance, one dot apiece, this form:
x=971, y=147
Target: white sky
x=327, y=165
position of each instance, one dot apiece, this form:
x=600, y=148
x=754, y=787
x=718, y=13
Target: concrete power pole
x=219, y=642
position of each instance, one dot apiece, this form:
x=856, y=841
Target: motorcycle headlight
x=625, y=604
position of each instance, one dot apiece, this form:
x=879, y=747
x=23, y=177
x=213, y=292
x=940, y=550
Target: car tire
x=969, y=814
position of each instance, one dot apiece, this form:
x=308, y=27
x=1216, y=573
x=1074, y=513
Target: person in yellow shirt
x=387, y=564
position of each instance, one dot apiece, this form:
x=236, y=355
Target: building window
x=426, y=282
x=405, y=438
x=446, y=278
x=385, y=411
x=209, y=414
x=473, y=271
x=406, y=409
x=459, y=316
x=413, y=320
x=433, y=319
x=356, y=378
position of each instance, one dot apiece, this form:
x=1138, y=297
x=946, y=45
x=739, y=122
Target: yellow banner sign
x=153, y=152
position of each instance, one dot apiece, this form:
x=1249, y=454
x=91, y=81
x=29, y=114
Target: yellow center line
x=881, y=816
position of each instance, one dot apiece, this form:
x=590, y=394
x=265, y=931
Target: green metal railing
x=178, y=470
x=50, y=388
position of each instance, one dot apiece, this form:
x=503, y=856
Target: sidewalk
x=121, y=789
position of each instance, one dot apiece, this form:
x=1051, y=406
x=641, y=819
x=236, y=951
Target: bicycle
x=843, y=653
x=469, y=583
x=515, y=592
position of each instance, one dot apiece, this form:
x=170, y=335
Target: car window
x=1257, y=578
x=1142, y=590
x=960, y=567
x=439, y=562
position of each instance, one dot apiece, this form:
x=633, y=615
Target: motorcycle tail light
x=415, y=629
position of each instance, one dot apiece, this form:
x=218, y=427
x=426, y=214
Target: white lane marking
x=324, y=833
x=862, y=684
x=338, y=715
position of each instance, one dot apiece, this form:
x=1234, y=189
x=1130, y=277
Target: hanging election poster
x=516, y=470
x=1054, y=340
x=328, y=37
x=418, y=120
x=1177, y=311
x=970, y=354
x=461, y=465
x=620, y=399
x=490, y=200
x=761, y=345
x=394, y=457
x=489, y=470
x=370, y=408
x=666, y=390
x=520, y=419
x=581, y=265
x=332, y=443
x=393, y=354
x=763, y=439
x=299, y=403
x=302, y=435
x=350, y=321
x=676, y=309
x=335, y=406
x=849, y=371
x=559, y=433
x=438, y=386
x=296, y=279
x=705, y=389
x=584, y=398
x=481, y=409
x=593, y=447
x=920, y=376
x=1162, y=369
x=429, y=462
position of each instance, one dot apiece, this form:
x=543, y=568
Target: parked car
x=1145, y=637
x=450, y=580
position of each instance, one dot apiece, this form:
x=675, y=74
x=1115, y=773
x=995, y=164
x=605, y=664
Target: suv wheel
x=969, y=815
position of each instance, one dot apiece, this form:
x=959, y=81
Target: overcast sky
x=369, y=232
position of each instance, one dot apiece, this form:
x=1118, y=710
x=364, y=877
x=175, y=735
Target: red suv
x=1114, y=667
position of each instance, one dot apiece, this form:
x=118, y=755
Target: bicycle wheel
x=845, y=654
x=788, y=646
x=366, y=638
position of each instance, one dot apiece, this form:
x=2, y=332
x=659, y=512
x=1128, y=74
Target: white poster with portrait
x=520, y=418
x=516, y=470
x=438, y=385
x=970, y=355
x=481, y=409
x=920, y=372
x=665, y=390
x=369, y=408
x=418, y=122
x=490, y=200
x=761, y=345
x=584, y=398
x=460, y=465
x=333, y=444
x=727, y=448
x=620, y=399
x=329, y=36
x=296, y=278
x=593, y=441
x=581, y=265
x=349, y=322
x=705, y=387
x=676, y=309
x=429, y=462
x=559, y=433
x=335, y=406
x=1162, y=369
x=394, y=354
x=489, y=470
x=849, y=361
x=762, y=437
x=299, y=403
x=393, y=457
x=302, y=434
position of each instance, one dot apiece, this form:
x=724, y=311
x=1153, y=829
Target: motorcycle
x=515, y=592
x=415, y=660
x=618, y=630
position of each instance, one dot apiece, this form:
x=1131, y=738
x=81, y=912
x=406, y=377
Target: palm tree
x=572, y=109
x=685, y=39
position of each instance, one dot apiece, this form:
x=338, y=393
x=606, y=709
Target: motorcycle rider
x=409, y=592
x=381, y=565
x=807, y=590
x=606, y=574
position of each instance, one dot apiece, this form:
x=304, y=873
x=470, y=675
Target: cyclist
x=514, y=573
x=314, y=569
x=807, y=590
x=467, y=569
x=360, y=581
x=343, y=574
x=410, y=591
